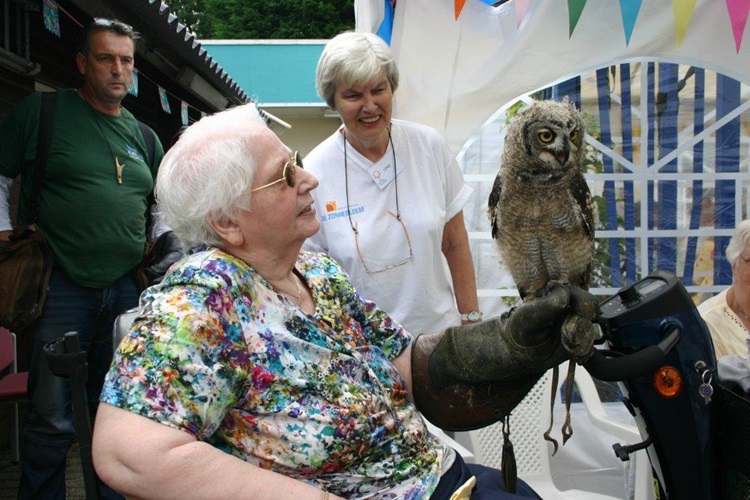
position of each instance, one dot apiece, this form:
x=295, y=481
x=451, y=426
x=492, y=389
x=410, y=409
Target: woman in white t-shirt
x=391, y=195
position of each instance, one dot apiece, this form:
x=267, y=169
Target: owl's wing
x=581, y=194
x=493, y=205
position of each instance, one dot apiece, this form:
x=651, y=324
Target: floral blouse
x=221, y=355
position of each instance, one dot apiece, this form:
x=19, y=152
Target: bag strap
x=148, y=138
x=44, y=139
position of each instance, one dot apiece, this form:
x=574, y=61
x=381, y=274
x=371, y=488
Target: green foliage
x=267, y=19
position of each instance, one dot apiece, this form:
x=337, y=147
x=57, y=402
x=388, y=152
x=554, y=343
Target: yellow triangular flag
x=683, y=13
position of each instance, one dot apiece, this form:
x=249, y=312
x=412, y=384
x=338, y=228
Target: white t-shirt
x=727, y=331
x=431, y=190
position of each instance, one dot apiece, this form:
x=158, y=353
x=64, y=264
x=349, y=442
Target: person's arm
x=142, y=458
x=455, y=247
x=402, y=362
x=6, y=228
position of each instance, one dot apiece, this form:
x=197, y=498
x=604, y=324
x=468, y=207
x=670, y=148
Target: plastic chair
x=465, y=453
x=528, y=422
x=12, y=386
x=66, y=359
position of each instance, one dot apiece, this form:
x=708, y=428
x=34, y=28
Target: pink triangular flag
x=683, y=13
x=521, y=6
x=738, y=10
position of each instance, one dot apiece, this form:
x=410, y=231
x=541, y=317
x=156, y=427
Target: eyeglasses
x=114, y=24
x=288, y=175
x=373, y=268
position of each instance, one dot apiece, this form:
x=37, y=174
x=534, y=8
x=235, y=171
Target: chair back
x=530, y=419
x=7, y=350
x=526, y=423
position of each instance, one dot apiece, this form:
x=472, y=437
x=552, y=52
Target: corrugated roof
x=156, y=21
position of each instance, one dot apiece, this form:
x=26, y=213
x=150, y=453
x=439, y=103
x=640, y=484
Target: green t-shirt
x=95, y=226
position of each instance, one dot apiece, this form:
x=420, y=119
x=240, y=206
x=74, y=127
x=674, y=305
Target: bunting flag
x=386, y=27
x=575, y=9
x=184, y=112
x=456, y=72
x=521, y=6
x=738, y=10
x=51, y=15
x=133, y=90
x=629, y=9
x=375, y=16
x=683, y=12
x=458, y=6
x=164, y=100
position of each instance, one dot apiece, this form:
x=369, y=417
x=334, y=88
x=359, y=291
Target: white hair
x=738, y=242
x=353, y=57
x=207, y=173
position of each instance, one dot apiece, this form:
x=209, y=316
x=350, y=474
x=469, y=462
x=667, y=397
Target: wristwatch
x=472, y=316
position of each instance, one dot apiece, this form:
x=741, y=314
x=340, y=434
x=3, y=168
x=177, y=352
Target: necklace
x=346, y=181
x=736, y=302
x=299, y=292
x=118, y=166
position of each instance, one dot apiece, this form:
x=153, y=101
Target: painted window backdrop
x=667, y=162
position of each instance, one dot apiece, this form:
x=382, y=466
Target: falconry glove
x=470, y=376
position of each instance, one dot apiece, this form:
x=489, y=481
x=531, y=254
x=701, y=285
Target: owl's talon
x=577, y=335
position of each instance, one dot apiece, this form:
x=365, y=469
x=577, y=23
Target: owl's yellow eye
x=574, y=136
x=546, y=136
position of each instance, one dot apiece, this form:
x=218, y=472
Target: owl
x=542, y=212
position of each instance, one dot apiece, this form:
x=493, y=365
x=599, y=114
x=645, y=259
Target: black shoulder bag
x=25, y=259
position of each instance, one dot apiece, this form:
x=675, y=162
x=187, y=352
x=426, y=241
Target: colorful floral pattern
x=221, y=355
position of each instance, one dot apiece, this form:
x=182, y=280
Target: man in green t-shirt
x=92, y=211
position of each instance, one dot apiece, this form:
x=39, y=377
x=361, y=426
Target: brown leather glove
x=473, y=375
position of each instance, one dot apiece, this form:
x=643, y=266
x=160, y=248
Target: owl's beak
x=562, y=156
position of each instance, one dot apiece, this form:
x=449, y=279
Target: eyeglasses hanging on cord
x=396, y=215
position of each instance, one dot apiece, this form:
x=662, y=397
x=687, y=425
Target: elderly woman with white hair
x=727, y=314
x=256, y=370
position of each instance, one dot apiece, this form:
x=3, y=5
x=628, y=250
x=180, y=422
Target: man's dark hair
x=100, y=24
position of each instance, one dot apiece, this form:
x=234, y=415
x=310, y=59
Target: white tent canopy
x=455, y=73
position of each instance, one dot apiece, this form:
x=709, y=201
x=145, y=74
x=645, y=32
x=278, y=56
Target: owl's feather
x=541, y=210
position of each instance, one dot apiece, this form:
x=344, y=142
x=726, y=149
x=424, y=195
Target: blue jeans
x=49, y=428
